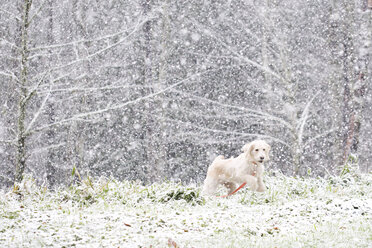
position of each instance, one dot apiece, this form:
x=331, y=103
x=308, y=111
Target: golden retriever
x=248, y=167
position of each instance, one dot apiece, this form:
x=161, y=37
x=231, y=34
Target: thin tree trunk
x=160, y=136
x=153, y=143
x=335, y=87
x=23, y=99
x=348, y=59
x=50, y=168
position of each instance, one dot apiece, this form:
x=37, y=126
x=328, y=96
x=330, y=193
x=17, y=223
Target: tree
x=25, y=94
x=53, y=79
x=156, y=89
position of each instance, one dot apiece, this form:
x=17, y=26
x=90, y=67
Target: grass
x=293, y=212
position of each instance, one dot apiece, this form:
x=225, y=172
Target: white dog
x=248, y=167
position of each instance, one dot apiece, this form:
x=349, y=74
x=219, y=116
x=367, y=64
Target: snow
x=334, y=212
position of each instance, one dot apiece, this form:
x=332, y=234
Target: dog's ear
x=245, y=148
x=248, y=148
x=268, y=148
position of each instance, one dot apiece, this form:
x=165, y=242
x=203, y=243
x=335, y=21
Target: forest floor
x=293, y=212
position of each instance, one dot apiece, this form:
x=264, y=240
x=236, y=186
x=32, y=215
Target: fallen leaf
x=172, y=243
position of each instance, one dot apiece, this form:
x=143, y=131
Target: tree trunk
x=348, y=100
x=154, y=147
x=343, y=80
x=50, y=134
x=24, y=97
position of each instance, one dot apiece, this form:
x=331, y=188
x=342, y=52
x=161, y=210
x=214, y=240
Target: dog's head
x=257, y=151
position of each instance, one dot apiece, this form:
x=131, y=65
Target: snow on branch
x=37, y=11
x=13, y=45
x=81, y=116
x=8, y=141
x=240, y=134
x=71, y=63
x=260, y=114
x=11, y=75
x=36, y=115
x=131, y=31
x=303, y=119
x=10, y=13
x=208, y=32
x=47, y=148
x=95, y=89
x=308, y=142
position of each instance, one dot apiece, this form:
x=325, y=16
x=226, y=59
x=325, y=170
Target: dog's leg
x=252, y=182
x=230, y=186
x=210, y=186
x=260, y=171
x=261, y=186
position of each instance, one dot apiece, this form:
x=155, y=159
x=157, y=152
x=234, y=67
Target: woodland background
x=153, y=90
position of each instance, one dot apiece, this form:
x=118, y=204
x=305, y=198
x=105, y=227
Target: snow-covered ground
x=333, y=212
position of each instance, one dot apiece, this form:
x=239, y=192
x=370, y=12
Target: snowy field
x=333, y=212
